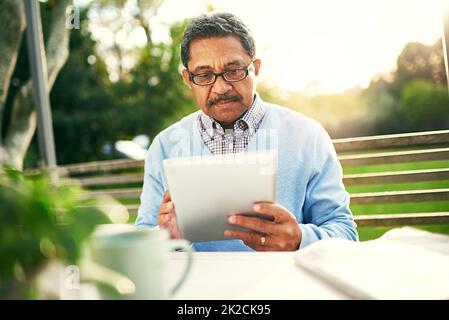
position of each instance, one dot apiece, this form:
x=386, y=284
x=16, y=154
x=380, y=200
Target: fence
x=393, y=180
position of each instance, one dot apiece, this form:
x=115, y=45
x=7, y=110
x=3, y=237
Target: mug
x=140, y=257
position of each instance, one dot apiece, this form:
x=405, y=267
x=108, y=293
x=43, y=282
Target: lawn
x=367, y=233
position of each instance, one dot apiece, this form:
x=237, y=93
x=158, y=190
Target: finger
x=166, y=196
x=166, y=217
x=168, y=207
x=168, y=221
x=171, y=221
x=252, y=223
x=173, y=226
x=279, y=213
x=249, y=238
x=172, y=230
x=163, y=219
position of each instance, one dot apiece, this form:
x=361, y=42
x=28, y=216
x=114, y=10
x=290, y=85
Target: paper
x=385, y=268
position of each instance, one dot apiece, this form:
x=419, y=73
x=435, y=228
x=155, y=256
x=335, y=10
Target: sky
x=321, y=46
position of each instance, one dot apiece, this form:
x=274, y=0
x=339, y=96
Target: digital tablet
x=205, y=190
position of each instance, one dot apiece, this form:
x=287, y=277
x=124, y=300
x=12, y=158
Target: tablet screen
x=207, y=189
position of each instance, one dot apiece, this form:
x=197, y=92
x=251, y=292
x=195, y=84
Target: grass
x=368, y=233
x=404, y=207
x=418, y=185
x=132, y=218
x=130, y=201
x=116, y=186
x=437, y=164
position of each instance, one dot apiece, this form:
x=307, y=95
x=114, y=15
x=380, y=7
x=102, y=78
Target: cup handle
x=185, y=246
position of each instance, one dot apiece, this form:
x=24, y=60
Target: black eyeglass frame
x=220, y=74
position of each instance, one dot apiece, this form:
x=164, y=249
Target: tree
x=425, y=105
x=17, y=113
x=418, y=61
x=154, y=95
x=411, y=92
x=120, y=18
x=82, y=101
x=90, y=111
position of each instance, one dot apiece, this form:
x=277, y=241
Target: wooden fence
x=384, y=161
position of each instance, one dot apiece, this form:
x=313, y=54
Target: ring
x=262, y=240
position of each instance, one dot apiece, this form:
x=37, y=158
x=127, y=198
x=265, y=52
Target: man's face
x=219, y=54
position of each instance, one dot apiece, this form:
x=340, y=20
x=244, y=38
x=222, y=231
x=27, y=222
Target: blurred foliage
x=342, y=114
x=414, y=96
x=411, y=98
x=418, y=61
x=121, y=3
x=82, y=102
x=425, y=105
x=90, y=111
x=39, y=221
x=154, y=95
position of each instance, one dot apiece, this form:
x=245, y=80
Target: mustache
x=224, y=98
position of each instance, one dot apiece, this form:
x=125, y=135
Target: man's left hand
x=281, y=234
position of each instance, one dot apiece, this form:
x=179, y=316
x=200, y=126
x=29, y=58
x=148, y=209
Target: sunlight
x=325, y=46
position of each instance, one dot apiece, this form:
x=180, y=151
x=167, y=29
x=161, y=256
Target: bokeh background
x=360, y=68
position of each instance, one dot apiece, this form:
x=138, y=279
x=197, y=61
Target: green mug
x=140, y=257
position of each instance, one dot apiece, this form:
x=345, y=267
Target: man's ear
x=185, y=78
x=257, y=63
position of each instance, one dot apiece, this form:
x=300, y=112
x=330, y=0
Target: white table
x=274, y=275
x=238, y=276
x=247, y=275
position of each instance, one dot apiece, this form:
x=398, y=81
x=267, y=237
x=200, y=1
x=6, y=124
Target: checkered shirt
x=221, y=141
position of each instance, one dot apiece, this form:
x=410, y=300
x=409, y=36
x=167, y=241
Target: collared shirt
x=221, y=141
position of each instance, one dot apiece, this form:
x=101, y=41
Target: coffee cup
x=138, y=255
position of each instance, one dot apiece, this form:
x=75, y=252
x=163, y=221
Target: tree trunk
x=12, y=20
x=22, y=124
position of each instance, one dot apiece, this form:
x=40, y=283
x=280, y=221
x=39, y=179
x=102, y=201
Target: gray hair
x=219, y=24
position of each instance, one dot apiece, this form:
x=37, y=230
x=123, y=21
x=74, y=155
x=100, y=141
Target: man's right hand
x=167, y=216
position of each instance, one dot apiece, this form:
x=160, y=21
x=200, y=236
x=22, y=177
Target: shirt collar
x=250, y=120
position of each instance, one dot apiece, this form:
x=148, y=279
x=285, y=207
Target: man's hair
x=220, y=24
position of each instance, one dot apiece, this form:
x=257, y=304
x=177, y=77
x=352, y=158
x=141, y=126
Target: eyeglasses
x=206, y=79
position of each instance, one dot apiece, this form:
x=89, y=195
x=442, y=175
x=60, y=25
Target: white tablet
x=207, y=189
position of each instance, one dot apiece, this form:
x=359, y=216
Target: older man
x=221, y=67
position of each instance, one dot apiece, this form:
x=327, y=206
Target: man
x=219, y=56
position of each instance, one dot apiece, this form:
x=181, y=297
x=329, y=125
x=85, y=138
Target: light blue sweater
x=309, y=176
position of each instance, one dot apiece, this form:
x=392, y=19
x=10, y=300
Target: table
x=275, y=275
x=247, y=275
x=238, y=276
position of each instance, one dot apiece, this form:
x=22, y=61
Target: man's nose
x=221, y=86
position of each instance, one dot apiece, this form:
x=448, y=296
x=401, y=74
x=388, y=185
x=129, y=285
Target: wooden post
x=38, y=66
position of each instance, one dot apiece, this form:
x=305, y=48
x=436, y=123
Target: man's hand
x=281, y=234
x=167, y=216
